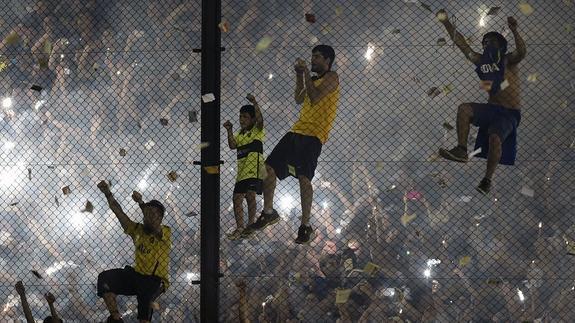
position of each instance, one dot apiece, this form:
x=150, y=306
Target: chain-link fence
x=110, y=90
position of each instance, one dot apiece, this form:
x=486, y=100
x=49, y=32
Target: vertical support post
x=210, y=156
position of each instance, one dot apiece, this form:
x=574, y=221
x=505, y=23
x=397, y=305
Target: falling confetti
x=379, y=166
x=326, y=29
x=192, y=116
x=66, y=190
x=532, y=77
x=464, y=261
x=122, y=152
x=89, y=207
x=208, y=97
x=148, y=145
x=426, y=7
x=204, y=145
x=441, y=42
x=395, y=31
x=494, y=281
x=486, y=85
x=338, y=10
x=191, y=214
x=526, y=8
x=406, y=219
x=447, y=126
x=37, y=88
x=571, y=249
x=30, y=173
x=342, y=295
x=224, y=26
x=172, y=176
x=568, y=28
x=37, y=274
x=433, y=92
x=447, y=89
x=263, y=44
x=475, y=152
x=413, y=195
x=14, y=204
x=527, y=191
x=164, y=122
x=57, y=202
x=504, y=85
x=493, y=11
x=441, y=16
x=310, y=18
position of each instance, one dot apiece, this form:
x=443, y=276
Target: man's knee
x=465, y=108
x=238, y=197
x=103, y=283
x=270, y=171
x=251, y=196
x=494, y=140
x=304, y=180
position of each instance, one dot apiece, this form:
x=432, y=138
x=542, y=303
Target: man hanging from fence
x=149, y=277
x=298, y=151
x=499, y=118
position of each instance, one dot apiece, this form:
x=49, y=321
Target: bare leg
x=252, y=205
x=464, y=117
x=239, y=209
x=112, y=305
x=493, y=156
x=306, y=192
x=269, y=189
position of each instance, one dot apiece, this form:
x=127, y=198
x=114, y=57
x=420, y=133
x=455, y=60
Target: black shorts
x=496, y=119
x=127, y=281
x=249, y=185
x=295, y=155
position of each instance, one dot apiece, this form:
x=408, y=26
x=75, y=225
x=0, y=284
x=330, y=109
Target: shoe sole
x=267, y=224
x=482, y=191
x=306, y=243
x=447, y=155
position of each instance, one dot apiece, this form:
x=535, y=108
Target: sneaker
x=305, y=235
x=248, y=232
x=265, y=220
x=112, y=320
x=236, y=234
x=457, y=154
x=484, y=186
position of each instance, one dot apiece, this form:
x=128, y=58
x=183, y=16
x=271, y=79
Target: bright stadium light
x=7, y=102
x=369, y=52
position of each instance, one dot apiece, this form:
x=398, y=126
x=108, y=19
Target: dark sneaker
x=236, y=234
x=457, y=154
x=484, y=186
x=265, y=220
x=112, y=320
x=305, y=235
x=248, y=233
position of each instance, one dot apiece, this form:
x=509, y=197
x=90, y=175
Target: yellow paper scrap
x=338, y=10
x=447, y=89
x=526, y=8
x=212, y=169
x=464, y=261
x=571, y=249
x=370, y=268
x=342, y=295
x=406, y=218
x=532, y=77
x=263, y=44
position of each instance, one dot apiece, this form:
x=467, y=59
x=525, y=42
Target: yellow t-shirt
x=317, y=119
x=152, y=254
x=250, y=153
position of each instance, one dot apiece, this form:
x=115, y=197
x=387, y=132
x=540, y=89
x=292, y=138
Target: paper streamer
x=527, y=191
x=526, y=8
x=475, y=152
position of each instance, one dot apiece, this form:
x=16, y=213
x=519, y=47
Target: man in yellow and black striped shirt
x=149, y=276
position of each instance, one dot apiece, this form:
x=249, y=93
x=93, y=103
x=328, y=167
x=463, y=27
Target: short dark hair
x=326, y=51
x=249, y=109
x=158, y=205
x=500, y=39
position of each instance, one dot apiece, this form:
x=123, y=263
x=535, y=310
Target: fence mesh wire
x=95, y=90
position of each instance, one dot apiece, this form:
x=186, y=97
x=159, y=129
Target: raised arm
x=299, y=94
x=457, y=38
x=51, y=299
x=115, y=206
x=25, y=306
x=316, y=93
x=231, y=140
x=259, y=117
x=520, y=49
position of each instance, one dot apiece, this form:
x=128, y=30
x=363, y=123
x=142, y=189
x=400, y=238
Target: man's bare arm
x=231, y=140
x=115, y=206
x=457, y=38
x=259, y=116
x=316, y=93
x=520, y=49
x=25, y=305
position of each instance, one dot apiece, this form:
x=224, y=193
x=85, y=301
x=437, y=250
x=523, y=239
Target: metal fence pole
x=210, y=157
